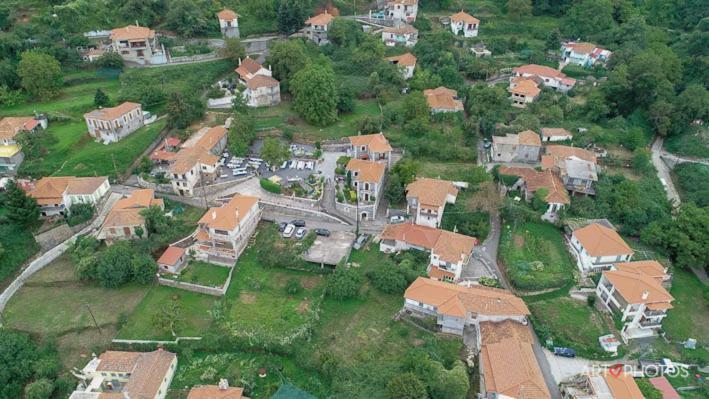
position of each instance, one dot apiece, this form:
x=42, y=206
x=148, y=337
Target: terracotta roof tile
x=188, y=158
x=321, y=19
x=171, y=255
x=463, y=16
x=126, y=211
x=50, y=190
x=565, y=151
x=401, y=29
x=414, y=234
x=664, y=386
x=525, y=87
x=623, y=386
x=651, y=268
x=406, y=59
x=132, y=32
x=112, y=113
x=214, y=392
x=261, y=81
x=443, y=98
x=599, y=240
x=248, y=66
x=118, y=361
x=431, y=192
x=555, y=132
x=453, y=247
x=633, y=285
x=581, y=47
x=10, y=126
x=368, y=171
x=539, y=70
x=227, y=14
x=149, y=373
x=85, y=185
x=375, y=142
x=229, y=216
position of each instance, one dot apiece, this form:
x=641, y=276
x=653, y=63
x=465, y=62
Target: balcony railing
x=650, y=323
x=652, y=313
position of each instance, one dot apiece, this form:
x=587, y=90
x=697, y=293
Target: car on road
x=361, y=240
x=300, y=233
x=397, y=219
x=486, y=143
x=288, y=231
x=282, y=226
x=564, y=352
x=298, y=223
x=322, y=232
x=239, y=172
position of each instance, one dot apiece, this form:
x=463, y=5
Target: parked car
x=397, y=219
x=564, y=352
x=322, y=232
x=288, y=231
x=239, y=172
x=282, y=226
x=300, y=233
x=361, y=240
x=298, y=223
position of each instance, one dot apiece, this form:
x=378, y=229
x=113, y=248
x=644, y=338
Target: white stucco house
x=597, y=247
x=465, y=24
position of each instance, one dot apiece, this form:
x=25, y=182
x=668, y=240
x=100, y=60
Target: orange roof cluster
x=463, y=16
x=227, y=14
x=112, y=113
x=599, y=240
x=458, y=301
x=375, y=142
x=555, y=132
x=216, y=392
x=449, y=246
x=132, y=32
x=581, y=47
x=525, y=87
x=247, y=71
x=406, y=59
x=632, y=283
x=259, y=81
x=12, y=125
x=623, y=386
x=651, y=268
x=401, y=29
x=539, y=70
x=197, y=150
x=526, y=137
x=322, y=19
x=431, y=192
x=367, y=171
x=171, y=255
x=509, y=366
x=126, y=211
x=230, y=215
x=50, y=190
x=147, y=371
x=555, y=154
x=248, y=67
x=535, y=180
x=443, y=98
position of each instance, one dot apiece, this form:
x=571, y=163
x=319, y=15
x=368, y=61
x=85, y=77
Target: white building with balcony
x=426, y=200
x=138, y=44
x=109, y=125
x=401, y=10
x=465, y=24
x=597, y=247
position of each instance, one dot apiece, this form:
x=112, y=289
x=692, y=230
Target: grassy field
x=689, y=317
x=535, y=256
x=693, y=144
x=54, y=303
x=203, y=273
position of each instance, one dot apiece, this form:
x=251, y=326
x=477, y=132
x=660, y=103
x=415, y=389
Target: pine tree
x=21, y=208
x=101, y=99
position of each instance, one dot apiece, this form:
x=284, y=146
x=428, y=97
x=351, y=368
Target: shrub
x=591, y=300
x=80, y=213
x=391, y=280
x=293, y=286
x=270, y=186
x=343, y=284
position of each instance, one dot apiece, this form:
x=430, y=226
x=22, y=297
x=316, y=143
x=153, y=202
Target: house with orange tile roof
x=368, y=182
x=635, y=292
x=373, y=147
x=316, y=27
x=221, y=391
x=138, y=44
x=449, y=251
x=456, y=306
x=261, y=89
x=406, y=64
x=56, y=194
x=549, y=77
x=584, y=54
x=508, y=367
x=664, y=386
x=443, y=99
x=530, y=181
x=125, y=221
x=556, y=134
x=223, y=232
x=248, y=68
x=173, y=260
x=401, y=34
x=523, y=91
x=600, y=385
x=11, y=155
x=108, y=125
x=401, y=10
x=228, y=22
x=118, y=374
x=198, y=160
x=426, y=200
x=577, y=167
x=166, y=151
x=522, y=147
x=597, y=247
x=465, y=24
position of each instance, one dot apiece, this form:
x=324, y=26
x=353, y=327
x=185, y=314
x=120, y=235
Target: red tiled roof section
x=463, y=16
x=599, y=240
x=651, y=268
x=529, y=137
x=632, y=286
x=132, y=32
x=187, y=158
x=85, y=185
x=540, y=70
x=525, y=87
x=12, y=125
x=171, y=255
x=556, y=192
x=118, y=361
x=230, y=215
x=406, y=59
x=433, y=192
x=367, y=171
x=112, y=113
x=402, y=29
x=215, y=392
x=443, y=98
x=375, y=142
x=259, y=81
x=414, y=234
x=149, y=373
x=227, y=14
x=452, y=247
x=321, y=19
x=555, y=132
x=248, y=66
x=564, y=151
x=581, y=47
x=664, y=386
x=623, y=386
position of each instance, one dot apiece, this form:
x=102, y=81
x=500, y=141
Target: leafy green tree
x=589, y=17
x=415, y=106
x=274, y=152
x=394, y=190
x=17, y=354
x=101, y=99
x=19, y=207
x=390, y=280
x=450, y=384
x=685, y=238
x=553, y=40
x=642, y=162
x=647, y=389
x=80, y=213
x=405, y=386
x=343, y=284
x=187, y=18
x=233, y=50
x=287, y=58
x=291, y=15
x=155, y=220
x=40, y=74
x=147, y=13
x=345, y=33
x=110, y=60
x=345, y=100
x=315, y=95
x=144, y=268
x=182, y=110
x=170, y=316
x=596, y=107
x=406, y=169
x=517, y=9
x=114, y=265
x=39, y=389
x=424, y=79
x=242, y=134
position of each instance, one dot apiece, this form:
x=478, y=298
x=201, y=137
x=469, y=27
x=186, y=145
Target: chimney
x=239, y=61
x=645, y=294
x=214, y=215
x=223, y=384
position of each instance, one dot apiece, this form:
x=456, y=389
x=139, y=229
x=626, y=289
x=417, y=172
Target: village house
x=11, y=155
x=556, y=134
x=406, y=64
x=549, y=77
x=442, y=99
x=401, y=34
x=508, y=367
x=138, y=44
x=522, y=147
x=584, y=54
x=117, y=374
x=108, y=125
x=450, y=252
x=465, y=24
x=456, y=307
x=530, y=181
x=368, y=181
x=173, y=260
x=198, y=160
x=261, y=89
x=248, y=68
x=663, y=385
x=372, y=147
x=124, y=221
x=56, y=194
x=228, y=23
x=426, y=199
x=523, y=91
x=221, y=391
x=597, y=247
x=635, y=292
x=166, y=151
x=223, y=232
x=600, y=385
x=317, y=27
x=401, y=10
x=577, y=167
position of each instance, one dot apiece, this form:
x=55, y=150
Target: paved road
x=663, y=172
x=484, y=259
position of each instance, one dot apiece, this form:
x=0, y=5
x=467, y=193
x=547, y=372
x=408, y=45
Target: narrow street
x=663, y=172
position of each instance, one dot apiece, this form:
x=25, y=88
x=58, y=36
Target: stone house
x=426, y=199
x=108, y=125
x=400, y=35
x=556, y=134
x=198, y=160
x=374, y=147
x=228, y=23
x=462, y=22
x=576, y=166
x=368, y=182
x=262, y=91
x=406, y=64
x=401, y=10
x=523, y=91
x=522, y=147
x=530, y=181
x=317, y=26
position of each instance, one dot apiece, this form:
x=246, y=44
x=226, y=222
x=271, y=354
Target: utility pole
x=204, y=193
x=357, y=210
x=94, y=318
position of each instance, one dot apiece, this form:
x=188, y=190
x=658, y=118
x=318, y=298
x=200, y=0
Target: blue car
x=565, y=352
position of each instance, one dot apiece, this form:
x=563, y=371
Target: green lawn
x=203, y=273
x=535, y=256
x=689, y=317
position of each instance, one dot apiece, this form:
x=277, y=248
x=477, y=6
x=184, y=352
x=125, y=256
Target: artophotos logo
x=647, y=370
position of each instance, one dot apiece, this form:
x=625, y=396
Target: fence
x=194, y=58
x=201, y=289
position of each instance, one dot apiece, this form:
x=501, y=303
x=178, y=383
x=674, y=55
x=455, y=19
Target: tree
x=291, y=14
x=405, y=386
x=345, y=33
x=394, y=191
x=233, y=50
x=170, y=316
x=40, y=74
x=553, y=41
x=648, y=390
x=242, y=134
x=184, y=109
x=406, y=169
x=315, y=95
x=155, y=220
x=685, y=238
x=517, y=9
x=589, y=17
x=287, y=58
x=144, y=269
x=17, y=354
x=19, y=207
x=39, y=389
x=390, y=280
x=642, y=162
x=110, y=60
x=101, y=99
x=450, y=384
x=415, y=106
x=343, y=283
x=114, y=265
x=274, y=152
x=187, y=18
x=80, y=213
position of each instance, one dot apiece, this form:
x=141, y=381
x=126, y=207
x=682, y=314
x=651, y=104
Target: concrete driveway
x=563, y=367
x=663, y=172
x=329, y=163
x=484, y=259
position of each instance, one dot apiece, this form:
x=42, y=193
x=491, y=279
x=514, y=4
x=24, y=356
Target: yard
x=203, y=273
x=535, y=256
x=19, y=245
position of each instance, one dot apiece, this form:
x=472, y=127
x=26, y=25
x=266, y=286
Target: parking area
x=326, y=167
x=293, y=170
x=330, y=250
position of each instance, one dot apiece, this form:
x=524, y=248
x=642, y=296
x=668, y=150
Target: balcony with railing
x=650, y=323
